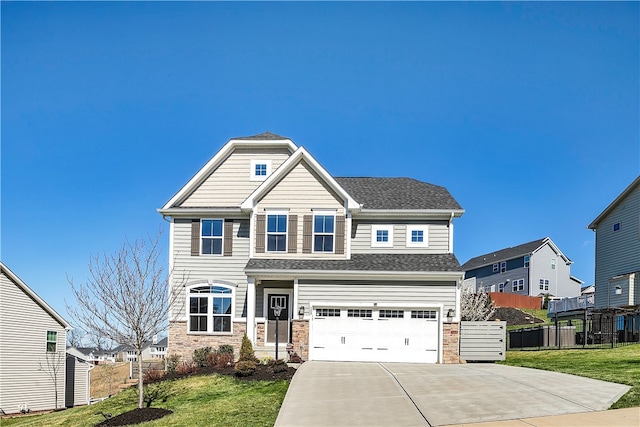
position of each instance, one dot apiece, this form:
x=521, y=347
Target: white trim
x=323, y=212
x=341, y=274
x=444, y=214
x=451, y=234
x=274, y=212
x=221, y=237
x=347, y=237
x=251, y=309
x=252, y=170
x=296, y=298
x=210, y=306
x=425, y=236
x=374, y=235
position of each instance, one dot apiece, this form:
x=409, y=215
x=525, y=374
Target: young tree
x=476, y=305
x=54, y=367
x=126, y=298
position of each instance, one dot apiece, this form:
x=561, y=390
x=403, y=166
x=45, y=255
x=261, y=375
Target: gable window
x=553, y=263
x=616, y=226
x=52, y=341
x=210, y=309
x=495, y=268
x=382, y=236
x=211, y=235
x=323, y=233
x=517, y=285
x=417, y=235
x=527, y=261
x=503, y=266
x=260, y=170
x=277, y=233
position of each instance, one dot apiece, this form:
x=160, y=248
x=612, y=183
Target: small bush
x=277, y=366
x=246, y=350
x=245, y=368
x=158, y=391
x=225, y=348
x=212, y=359
x=266, y=360
x=200, y=355
x=185, y=368
x=224, y=360
x=294, y=358
x=172, y=363
x=152, y=375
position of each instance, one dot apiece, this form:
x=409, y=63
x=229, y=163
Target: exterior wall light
x=451, y=313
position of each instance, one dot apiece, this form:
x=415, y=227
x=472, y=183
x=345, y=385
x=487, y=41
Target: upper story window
x=52, y=341
x=544, y=284
x=616, y=226
x=553, y=263
x=417, y=236
x=323, y=233
x=211, y=235
x=495, y=268
x=382, y=236
x=527, y=261
x=210, y=309
x=503, y=266
x=260, y=170
x=277, y=232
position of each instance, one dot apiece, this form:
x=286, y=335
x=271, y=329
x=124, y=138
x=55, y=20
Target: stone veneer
x=259, y=334
x=300, y=338
x=451, y=343
x=183, y=344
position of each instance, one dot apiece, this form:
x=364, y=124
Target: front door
x=275, y=303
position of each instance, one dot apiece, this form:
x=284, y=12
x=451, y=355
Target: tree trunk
x=140, y=384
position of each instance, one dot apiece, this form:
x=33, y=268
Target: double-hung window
x=527, y=261
x=211, y=235
x=52, y=341
x=382, y=236
x=276, y=233
x=210, y=309
x=323, y=233
x=518, y=285
x=417, y=236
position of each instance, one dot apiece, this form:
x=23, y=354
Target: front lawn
x=202, y=400
x=618, y=365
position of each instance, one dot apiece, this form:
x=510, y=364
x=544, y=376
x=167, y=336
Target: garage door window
x=328, y=312
x=359, y=313
x=423, y=314
x=391, y=314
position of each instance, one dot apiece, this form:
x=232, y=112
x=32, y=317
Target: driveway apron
x=402, y=394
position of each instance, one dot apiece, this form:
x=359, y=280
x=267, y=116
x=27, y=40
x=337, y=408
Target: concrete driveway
x=403, y=394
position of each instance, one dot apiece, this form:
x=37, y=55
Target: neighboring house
x=530, y=269
x=127, y=353
x=264, y=239
x=588, y=290
x=32, y=349
x=93, y=355
x=158, y=350
x=617, y=231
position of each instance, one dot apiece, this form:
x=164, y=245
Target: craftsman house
x=264, y=241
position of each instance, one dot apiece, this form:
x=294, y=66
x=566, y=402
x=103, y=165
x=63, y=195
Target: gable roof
x=27, y=290
x=398, y=193
x=265, y=136
x=504, y=254
x=615, y=203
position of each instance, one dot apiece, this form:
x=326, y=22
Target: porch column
x=251, y=310
x=294, y=310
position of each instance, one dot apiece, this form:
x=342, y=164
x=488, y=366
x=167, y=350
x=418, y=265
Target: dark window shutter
x=307, y=234
x=228, y=237
x=340, y=234
x=292, y=232
x=260, y=233
x=195, y=237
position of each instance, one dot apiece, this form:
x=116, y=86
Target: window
x=323, y=233
x=527, y=261
x=618, y=290
x=260, y=170
x=553, y=263
x=616, y=226
x=503, y=266
x=517, y=285
x=382, y=236
x=210, y=309
x=423, y=314
x=211, y=232
x=52, y=341
x=277, y=233
x=544, y=284
x=327, y=312
x=417, y=235
x=358, y=313
x=495, y=268
x=391, y=314
x=500, y=287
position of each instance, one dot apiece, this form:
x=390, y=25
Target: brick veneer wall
x=300, y=338
x=183, y=344
x=451, y=343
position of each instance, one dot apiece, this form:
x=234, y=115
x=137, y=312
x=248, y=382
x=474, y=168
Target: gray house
x=32, y=349
x=531, y=269
x=617, y=231
x=264, y=241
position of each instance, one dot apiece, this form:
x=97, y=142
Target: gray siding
x=193, y=269
x=438, y=238
x=77, y=392
x=23, y=371
x=229, y=184
x=377, y=292
x=617, y=252
x=560, y=284
x=494, y=280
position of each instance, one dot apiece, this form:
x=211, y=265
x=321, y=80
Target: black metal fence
x=591, y=330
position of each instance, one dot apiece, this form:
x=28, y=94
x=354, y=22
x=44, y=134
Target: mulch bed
x=136, y=416
x=514, y=316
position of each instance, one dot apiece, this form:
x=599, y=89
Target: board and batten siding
x=23, y=343
x=189, y=269
x=377, y=292
x=300, y=192
x=438, y=237
x=229, y=185
x=617, y=252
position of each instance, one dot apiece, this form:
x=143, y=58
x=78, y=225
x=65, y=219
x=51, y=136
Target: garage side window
x=210, y=309
x=359, y=313
x=391, y=314
x=423, y=314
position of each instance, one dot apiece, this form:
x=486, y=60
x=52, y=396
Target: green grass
x=618, y=365
x=210, y=400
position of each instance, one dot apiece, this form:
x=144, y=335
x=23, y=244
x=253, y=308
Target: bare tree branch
x=476, y=305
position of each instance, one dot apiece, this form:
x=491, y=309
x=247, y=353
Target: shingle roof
x=364, y=262
x=264, y=135
x=503, y=254
x=397, y=193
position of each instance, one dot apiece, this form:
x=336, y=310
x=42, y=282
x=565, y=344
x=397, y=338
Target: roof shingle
x=503, y=254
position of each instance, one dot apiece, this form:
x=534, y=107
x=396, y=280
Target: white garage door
x=374, y=335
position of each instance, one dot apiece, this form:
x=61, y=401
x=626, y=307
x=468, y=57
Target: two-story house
x=617, y=228
x=530, y=269
x=354, y=269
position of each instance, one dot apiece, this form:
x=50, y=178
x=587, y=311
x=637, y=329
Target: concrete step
x=262, y=352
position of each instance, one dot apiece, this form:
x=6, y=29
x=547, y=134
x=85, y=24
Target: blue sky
x=527, y=112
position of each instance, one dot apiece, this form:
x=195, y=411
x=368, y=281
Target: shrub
x=245, y=368
x=224, y=360
x=294, y=358
x=225, y=348
x=212, y=359
x=185, y=368
x=158, y=391
x=152, y=375
x=200, y=355
x=266, y=360
x=278, y=366
x=246, y=350
x=172, y=363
